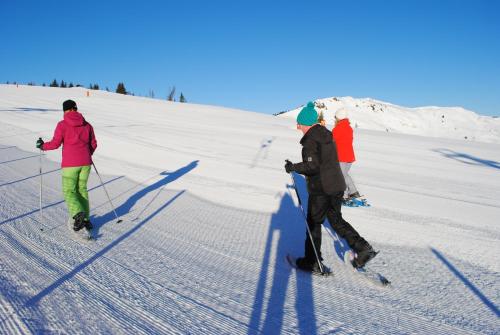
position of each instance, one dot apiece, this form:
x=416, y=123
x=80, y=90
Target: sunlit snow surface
x=209, y=216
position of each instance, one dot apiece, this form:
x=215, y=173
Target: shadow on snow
x=123, y=209
x=30, y=109
x=287, y=232
x=30, y=177
x=466, y=282
x=126, y=207
x=467, y=159
x=33, y=301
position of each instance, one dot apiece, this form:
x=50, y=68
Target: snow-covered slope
x=209, y=215
x=445, y=122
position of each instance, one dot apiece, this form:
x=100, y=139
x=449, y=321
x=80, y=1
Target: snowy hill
x=209, y=215
x=445, y=122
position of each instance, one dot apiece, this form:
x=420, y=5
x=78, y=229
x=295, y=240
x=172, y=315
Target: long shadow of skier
x=287, y=233
x=36, y=299
x=123, y=209
x=126, y=207
x=488, y=303
x=467, y=159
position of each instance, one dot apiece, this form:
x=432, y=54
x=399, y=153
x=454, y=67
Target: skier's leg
x=316, y=213
x=342, y=227
x=69, y=187
x=351, y=188
x=83, y=193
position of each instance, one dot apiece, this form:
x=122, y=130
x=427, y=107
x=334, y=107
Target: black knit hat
x=69, y=104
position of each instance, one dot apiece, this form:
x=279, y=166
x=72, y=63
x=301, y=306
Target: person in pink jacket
x=79, y=143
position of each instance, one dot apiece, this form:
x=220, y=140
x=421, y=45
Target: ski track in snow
x=185, y=262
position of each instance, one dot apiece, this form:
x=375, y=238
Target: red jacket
x=342, y=134
x=78, y=140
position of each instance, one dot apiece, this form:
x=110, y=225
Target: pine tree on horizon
x=54, y=84
x=182, y=98
x=121, y=89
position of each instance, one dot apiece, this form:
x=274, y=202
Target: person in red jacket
x=343, y=136
x=79, y=143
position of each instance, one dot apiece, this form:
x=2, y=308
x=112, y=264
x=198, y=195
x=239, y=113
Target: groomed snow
x=209, y=216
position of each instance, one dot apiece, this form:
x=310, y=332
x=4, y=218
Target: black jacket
x=320, y=162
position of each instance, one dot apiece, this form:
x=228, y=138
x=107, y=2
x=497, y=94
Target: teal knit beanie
x=308, y=115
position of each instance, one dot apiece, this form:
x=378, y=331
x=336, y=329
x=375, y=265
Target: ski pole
x=41, y=183
x=305, y=220
x=112, y=207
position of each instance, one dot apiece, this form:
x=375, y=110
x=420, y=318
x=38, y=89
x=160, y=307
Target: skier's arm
x=57, y=139
x=310, y=159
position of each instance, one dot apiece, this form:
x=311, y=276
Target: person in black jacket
x=325, y=185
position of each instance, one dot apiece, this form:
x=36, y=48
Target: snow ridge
x=431, y=121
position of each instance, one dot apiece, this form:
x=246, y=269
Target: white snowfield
x=209, y=215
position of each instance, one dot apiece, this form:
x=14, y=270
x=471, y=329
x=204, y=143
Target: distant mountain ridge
x=430, y=121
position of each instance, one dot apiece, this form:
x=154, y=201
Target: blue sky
x=265, y=56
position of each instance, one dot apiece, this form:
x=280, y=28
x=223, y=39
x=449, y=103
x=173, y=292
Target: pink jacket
x=78, y=140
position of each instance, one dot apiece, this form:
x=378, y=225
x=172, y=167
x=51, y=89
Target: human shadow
x=36, y=299
x=126, y=207
x=467, y=159
x=287, y=233
x=339, y=244
x=466, y=282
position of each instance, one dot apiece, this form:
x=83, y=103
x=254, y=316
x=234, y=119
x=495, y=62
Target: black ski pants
x=329, y=206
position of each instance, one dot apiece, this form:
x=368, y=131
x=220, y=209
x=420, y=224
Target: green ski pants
x=74, y=186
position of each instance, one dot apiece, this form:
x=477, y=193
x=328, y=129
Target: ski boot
x=363, y=257
x=87, y=224
x=79, y=222
x=354, y=195
x=312, y=266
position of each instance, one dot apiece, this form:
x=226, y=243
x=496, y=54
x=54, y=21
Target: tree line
x=120, y=88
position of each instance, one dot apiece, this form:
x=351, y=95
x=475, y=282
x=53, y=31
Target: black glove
x=39, y=143
x=288, y=166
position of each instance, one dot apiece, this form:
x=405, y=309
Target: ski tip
x=384, y=281
x=324, y=273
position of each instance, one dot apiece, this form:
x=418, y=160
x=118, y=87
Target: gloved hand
x=39, y=143
x=288, y=166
